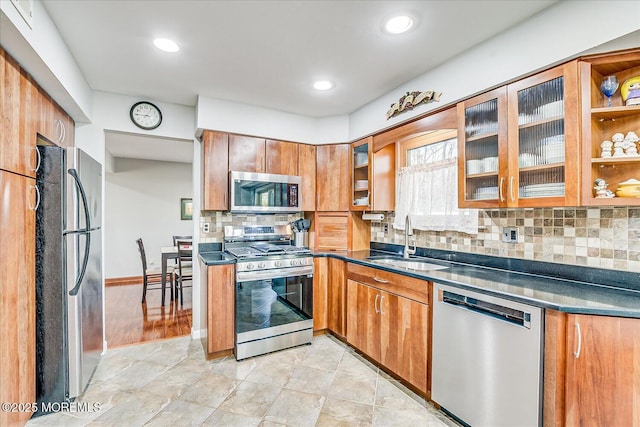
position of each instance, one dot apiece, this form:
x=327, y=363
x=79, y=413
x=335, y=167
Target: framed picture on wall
x=186, y=209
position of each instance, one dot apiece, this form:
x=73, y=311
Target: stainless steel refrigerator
x=69, y=307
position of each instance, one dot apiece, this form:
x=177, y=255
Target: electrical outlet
x=509, y=235
x=385, y=228
x=205, y=227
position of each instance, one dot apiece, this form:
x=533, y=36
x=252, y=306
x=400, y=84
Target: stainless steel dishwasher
x=487, y=358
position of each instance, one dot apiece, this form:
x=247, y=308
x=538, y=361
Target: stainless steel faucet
x=408, y=231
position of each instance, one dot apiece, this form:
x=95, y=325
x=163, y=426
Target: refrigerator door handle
x=85, y=231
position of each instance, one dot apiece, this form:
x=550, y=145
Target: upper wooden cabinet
x=53, y=123
x=246, y=153
x=334, y=191
x=384, y=178
x=250, y=154
x=361, y=182
x=600, y=122
x=281, y=157
x=307, y=171
x=517, y=144
x=215, y=171
x=18, y=118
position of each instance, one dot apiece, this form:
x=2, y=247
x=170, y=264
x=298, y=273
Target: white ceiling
x=268, y=53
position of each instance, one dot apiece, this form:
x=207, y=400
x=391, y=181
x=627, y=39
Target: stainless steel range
x=274, y=291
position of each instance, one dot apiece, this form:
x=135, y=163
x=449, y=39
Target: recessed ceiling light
x=399, y=24
x=323, y=85
x=166, y=45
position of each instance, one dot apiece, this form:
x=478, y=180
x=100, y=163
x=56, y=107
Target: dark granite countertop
x=541, y=284
x=212, y=254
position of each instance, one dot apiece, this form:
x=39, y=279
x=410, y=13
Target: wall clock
x=145, y=115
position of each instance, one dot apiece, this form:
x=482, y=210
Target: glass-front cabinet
x=611, y=162
x=482, y=138
x=519, y=143
x=361, y=175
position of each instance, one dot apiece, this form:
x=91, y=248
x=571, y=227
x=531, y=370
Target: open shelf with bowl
x=610, y=158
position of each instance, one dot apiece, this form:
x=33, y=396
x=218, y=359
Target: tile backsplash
x=594, y=237
x=218, y=219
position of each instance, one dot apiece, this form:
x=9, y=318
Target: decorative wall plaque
x=411, y=100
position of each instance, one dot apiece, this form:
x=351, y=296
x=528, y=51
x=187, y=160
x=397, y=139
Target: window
x=427, y=184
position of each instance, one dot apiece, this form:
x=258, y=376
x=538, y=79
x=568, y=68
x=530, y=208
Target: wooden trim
x=119, y=281
x=555, y=351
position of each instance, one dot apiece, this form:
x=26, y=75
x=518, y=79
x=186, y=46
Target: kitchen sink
x=408, y=264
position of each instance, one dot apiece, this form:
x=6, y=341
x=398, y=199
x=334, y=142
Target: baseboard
x=119, y=281
x=197, y=334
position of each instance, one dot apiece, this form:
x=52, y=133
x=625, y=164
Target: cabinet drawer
x=408, y=287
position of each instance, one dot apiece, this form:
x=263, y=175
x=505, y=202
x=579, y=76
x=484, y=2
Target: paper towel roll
x=373, y=216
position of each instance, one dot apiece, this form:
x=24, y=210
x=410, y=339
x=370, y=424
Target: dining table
x=168, y=252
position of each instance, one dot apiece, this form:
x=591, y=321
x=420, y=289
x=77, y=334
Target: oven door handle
x=248, y=276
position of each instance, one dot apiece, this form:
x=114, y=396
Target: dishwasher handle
x=508, y=314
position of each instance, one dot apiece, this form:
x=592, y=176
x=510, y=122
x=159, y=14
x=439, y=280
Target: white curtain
x=429, y=193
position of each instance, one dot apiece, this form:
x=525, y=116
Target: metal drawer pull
x=33, y=208
x=579, y=333
x=500, y=187
x=379, y=280
x=39, y=159
x=375, y=304
x=381, y=298
x=513, y=199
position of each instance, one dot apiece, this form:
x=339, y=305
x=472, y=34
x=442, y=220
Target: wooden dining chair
x=152, y=277
x=184, y=270
x=176, y=238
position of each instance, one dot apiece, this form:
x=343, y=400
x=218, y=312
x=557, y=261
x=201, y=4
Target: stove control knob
x=277, y=263
x=293, y=262
x=250, y=266
x=261, y=265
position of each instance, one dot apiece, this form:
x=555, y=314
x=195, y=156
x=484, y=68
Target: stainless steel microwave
x=264, y=192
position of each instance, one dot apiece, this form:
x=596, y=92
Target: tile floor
x=169, y=383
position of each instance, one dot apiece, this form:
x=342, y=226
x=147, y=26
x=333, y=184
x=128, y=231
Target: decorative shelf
x=542, y=121
x=481, y=136
x=542, y=167
x=482, y=175
x=615, y=160
x=607, y=113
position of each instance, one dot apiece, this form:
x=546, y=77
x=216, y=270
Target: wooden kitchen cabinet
x=336, y=297
x=361, y=168
x=246, y=153
x=281, y=157
x=603, y=371
x=215, y=171
x=220, y=308
x=600, y=122
x=384, y=178
x=591, y=370
x=53, y=123
x=341, y=231
x=390, y=327
x=333, y=177
x=518, y=144
x=307, y=171
x=18, y=118
x=320, y=296
x=18, y=198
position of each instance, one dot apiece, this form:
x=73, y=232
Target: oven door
x=273, y=308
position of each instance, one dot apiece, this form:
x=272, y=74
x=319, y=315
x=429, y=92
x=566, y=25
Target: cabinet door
x=404, y=336
x=246, y=154
x=361, y=174
x=320, y=304
x=482, y=150
x=363, y=318
x=333, y=173
x=215, y=167
x=543, y=139
x=220, y=308
x=17, y=294
x=336, y=297
x=307, y=170
x=281, y=157
x=603, y=371
x=18, y=111
x=384, y=179
x=332, y=231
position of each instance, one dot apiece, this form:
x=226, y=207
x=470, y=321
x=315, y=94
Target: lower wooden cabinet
x=391, y=329
x=17, y=294
x=220, y=308
x=320, y=282
x=592, y=370
x=336, y=297
x=341, y=231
